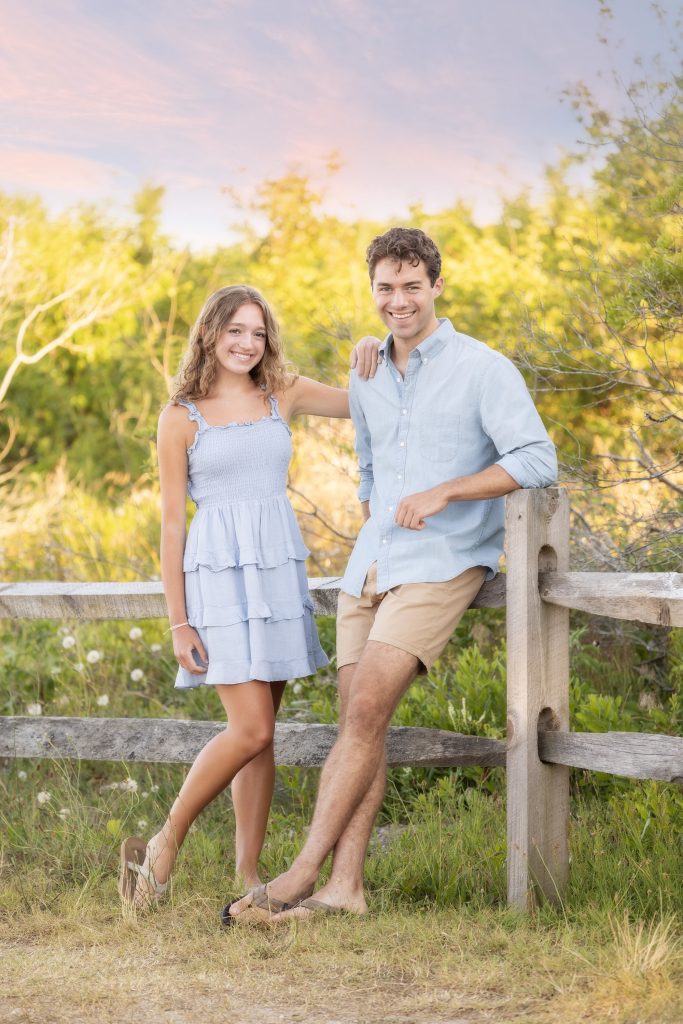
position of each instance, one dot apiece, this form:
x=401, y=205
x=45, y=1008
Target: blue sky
x=426, y=102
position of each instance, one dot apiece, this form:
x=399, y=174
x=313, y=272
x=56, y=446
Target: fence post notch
x=537, y=540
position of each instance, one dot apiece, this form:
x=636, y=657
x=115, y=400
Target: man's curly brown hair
x=405, y=245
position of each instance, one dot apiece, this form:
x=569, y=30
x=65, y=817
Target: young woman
x=236, y=589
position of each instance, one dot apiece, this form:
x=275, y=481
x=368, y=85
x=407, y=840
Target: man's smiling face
x=404, y=297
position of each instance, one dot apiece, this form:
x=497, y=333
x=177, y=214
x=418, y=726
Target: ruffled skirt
x=246, y=594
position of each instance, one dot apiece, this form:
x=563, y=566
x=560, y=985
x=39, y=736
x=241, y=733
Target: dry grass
x=83, y=961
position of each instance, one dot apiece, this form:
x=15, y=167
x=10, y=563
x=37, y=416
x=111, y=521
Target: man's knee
x=367, y=714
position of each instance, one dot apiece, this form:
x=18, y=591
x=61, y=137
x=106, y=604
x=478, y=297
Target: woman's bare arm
x=173, y=438
x=312, y=398
x=308, y=397
x=172, y=454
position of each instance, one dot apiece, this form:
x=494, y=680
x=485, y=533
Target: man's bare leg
x=350, y=773
x=345, y=887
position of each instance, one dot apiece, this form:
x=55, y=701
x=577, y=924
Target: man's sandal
x=260, y=900
x=133, y=853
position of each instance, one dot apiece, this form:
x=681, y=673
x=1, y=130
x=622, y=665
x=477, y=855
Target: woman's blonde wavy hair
x=198, y=369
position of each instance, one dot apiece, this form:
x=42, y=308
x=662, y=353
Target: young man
x=444, y=429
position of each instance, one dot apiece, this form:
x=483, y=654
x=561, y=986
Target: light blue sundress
x=246, y=591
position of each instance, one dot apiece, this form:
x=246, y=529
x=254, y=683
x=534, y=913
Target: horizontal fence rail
x=169, y=741
x=634, y=755
x=652, y=598
x=92, y=601
x=655, y=598
x=299, y=745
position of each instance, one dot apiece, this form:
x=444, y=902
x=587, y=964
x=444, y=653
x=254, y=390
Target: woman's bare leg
x=251, y=721
x=252, y=794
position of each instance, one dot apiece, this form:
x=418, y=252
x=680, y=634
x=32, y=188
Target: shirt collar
x=430, y=347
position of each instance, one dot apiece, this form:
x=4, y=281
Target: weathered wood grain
x=632, y=754
x=58, y=600
x=652, y=597
x=170, y=741
x=655, y=598
x=537, y=540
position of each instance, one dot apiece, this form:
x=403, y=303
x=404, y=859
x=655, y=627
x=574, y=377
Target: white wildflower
x=154, y=788
x=135, y=633
x=92, y=657
x=297, y=688
x=34, y=709
x=64, y=813
x=68, y=642
x=128, y=786
x=55, y=670
x=144, y=794
x=155, y=647
x=142, y=824
x=22, y=776
x=103, y=700
x=43, y=797
x=79, y=666
x=136, y=675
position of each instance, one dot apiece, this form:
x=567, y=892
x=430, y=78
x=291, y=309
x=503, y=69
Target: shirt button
x=391, y=508
x=402, y=444
x=400, y=476
x=425, y=360
x=398, y=379
x=384, y=540
x=404, y=411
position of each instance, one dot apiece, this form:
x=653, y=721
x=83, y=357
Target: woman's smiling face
x=240, y=347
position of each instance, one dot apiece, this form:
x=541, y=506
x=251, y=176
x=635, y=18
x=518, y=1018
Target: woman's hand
x=185, y=641
x=364, y=357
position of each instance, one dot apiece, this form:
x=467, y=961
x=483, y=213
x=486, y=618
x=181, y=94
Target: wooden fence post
x=537, y=540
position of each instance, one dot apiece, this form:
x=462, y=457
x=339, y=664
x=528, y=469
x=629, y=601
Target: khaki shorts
x=415, y=617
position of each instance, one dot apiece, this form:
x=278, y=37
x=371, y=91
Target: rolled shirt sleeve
x=515, y=427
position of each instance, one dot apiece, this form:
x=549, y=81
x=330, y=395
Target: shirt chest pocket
x=439, y=438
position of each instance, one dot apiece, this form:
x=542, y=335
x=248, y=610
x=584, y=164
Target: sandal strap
x=148, y=875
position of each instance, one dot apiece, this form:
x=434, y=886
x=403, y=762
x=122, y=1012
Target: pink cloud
x=77, y=71
x=38, y=169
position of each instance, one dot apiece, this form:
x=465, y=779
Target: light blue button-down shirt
x=460, y=408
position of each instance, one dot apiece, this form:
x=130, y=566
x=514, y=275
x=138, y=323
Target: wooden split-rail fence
x=537, y=591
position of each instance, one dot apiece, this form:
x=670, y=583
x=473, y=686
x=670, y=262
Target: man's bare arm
x=492, y=482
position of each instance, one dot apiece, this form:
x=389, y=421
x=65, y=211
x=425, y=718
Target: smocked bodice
x=239, y=461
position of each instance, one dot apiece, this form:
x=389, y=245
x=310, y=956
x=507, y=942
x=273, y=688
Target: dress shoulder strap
x=275, y=412
x=193, y=412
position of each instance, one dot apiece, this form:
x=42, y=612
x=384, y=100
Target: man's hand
x=364, y=357
x=414, y=509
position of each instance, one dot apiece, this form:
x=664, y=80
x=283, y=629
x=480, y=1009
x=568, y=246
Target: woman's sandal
x=133, y=853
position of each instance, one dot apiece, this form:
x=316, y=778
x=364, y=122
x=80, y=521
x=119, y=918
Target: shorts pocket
x=439, y=438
